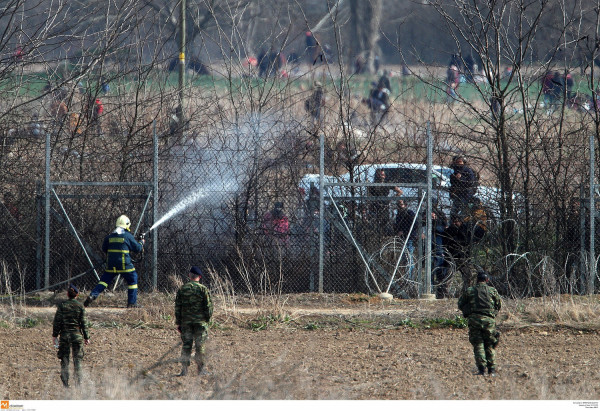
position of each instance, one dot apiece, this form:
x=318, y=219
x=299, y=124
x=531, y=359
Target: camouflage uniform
x=71, y=325
x=480, y=304
x=193, y=310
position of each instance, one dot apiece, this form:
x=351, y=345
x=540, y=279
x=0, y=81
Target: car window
x=409, y=175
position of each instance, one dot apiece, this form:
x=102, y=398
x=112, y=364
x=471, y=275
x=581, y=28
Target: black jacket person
x=459, y=239
x=463, y=184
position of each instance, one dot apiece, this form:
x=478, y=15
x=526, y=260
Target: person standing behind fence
x=439, y=274
x=276, y=224
x=70, y=324
x=405, y=221
x=384, y=81
x=97, y=110
x=378, y=102
x=557, y=88
x=312, y=48
x=193, y=311
x=480, y=305
x=315, y=102
x=463, y=185
x=118, y=247
x=380, y=209
x=547, y=88
x=457, y=241
x=453, y=81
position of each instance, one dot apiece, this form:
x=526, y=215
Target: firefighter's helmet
x=123, y=222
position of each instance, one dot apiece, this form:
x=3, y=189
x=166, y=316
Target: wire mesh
x=238, y=195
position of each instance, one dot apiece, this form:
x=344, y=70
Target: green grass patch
x=312, y=326
x=456, y=322
x=407, y=322
x=215, y=325
x=265, y=321
x=29, y=322
x=358, y=298
x=107, y=324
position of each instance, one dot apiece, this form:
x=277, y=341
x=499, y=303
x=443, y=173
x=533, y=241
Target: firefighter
x=118, y=247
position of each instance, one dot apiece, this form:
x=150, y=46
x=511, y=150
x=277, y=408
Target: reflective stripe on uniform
x=103, y=283
x=123, y=262
x=133, y=286
x=115, y=271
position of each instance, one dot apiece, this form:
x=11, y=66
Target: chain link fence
x=254, y=220
x=239, y=196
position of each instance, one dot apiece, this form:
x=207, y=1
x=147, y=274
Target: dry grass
x=274, y=369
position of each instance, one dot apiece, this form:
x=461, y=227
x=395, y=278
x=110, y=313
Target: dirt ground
x=305, y=347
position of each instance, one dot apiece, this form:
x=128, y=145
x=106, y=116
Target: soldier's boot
x=64, y=371
x=491, y=371
x=134, y=306
x=77, y=371
x=88, y=301
x=184, y=369
x=200, y=365
x=480, y=370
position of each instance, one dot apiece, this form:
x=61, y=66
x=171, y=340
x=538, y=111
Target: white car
x=400, y=173
x=410, y=177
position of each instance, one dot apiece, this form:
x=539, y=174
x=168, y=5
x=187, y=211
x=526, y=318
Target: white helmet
x=123, y=222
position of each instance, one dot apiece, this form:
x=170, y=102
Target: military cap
x=482, y=276
x=196, y=270
x=74, y=288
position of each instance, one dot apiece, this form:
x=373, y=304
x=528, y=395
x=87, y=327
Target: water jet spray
x=187, y=202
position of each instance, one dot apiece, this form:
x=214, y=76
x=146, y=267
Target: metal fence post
x=155, y=210
x=38, y=231
x=428, y=228
x=321, y=210
x=47, y=216
x=582, y=240
x=592, y=272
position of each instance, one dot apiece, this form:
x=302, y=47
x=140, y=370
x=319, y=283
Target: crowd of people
x=386, y=213
x=555, y=86
x=453, y=239
x=75, y=108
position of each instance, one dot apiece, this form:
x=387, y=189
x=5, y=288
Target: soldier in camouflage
x=193, y=311
x=480, y=304
x=70, y=324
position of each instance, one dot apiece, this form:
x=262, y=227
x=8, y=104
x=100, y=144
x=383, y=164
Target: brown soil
x=302, y=347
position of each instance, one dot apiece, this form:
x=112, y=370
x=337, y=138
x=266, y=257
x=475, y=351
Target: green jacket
x=480, y=299
x=193, y=304
x=70, y=318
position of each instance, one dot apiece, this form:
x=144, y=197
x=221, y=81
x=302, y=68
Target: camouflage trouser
x=70, y=342
x=190, y=334
x=482, y=332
